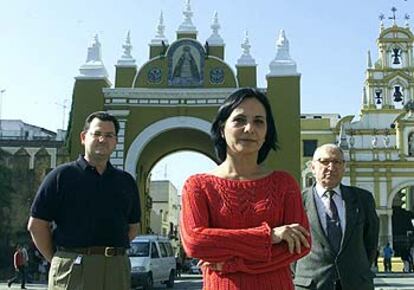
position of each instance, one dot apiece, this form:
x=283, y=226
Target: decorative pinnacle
x=215, y=25
x=393, y=9
x=187, y=25
x=187, y=12
x=369, y=59
x=127, y=46
x=161, y=26
x=215, y=38
x=94, y=51
x=160, y=36
x=246, y=43
x=246, y=58
x=381, y=18
x=126, y=58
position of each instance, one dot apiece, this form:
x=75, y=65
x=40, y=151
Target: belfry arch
x=168, y=103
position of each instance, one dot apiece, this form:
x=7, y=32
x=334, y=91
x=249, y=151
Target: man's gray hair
x=328, y=146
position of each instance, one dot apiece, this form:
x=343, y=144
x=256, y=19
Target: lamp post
x=2, y=91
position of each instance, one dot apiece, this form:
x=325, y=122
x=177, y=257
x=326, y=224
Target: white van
x=152, y=261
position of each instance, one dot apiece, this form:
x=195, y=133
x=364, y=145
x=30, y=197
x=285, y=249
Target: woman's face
x=245, y=129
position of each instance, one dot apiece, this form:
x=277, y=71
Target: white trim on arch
x=155, y=130
x=397, y=189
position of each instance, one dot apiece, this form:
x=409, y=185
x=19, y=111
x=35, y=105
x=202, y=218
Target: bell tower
x=389, y=80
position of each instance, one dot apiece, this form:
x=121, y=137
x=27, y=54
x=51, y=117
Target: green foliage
x=5, y=187
x=6, y=191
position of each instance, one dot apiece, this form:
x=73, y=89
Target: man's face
x=99, y=141
x=328, y=167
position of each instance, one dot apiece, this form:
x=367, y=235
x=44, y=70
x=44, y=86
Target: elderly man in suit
x=344, y=229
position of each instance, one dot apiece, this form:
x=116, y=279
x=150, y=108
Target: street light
x=1, y=107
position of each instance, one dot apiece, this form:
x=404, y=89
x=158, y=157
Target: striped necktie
x=333, y=224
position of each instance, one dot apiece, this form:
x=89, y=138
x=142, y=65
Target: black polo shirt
x=88, y=209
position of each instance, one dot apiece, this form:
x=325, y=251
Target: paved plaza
x=391, y=281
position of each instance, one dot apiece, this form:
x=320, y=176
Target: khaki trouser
x=93, y=272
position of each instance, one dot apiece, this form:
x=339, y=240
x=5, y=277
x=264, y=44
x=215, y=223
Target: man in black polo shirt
x=94, y=209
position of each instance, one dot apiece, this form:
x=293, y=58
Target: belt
x=106, y=251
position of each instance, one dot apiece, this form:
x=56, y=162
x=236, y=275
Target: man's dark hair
x=225, y=110
x=103, y=116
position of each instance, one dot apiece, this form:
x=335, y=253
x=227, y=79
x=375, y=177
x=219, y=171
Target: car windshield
x=139, y=249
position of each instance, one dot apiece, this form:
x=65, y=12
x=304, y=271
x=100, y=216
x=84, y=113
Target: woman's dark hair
x=225, y=110
x=103, y=116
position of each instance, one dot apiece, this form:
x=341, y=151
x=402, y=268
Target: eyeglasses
x=335, y=162
x=99, y=135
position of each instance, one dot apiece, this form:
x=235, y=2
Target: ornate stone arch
x=396, y=189
x=156, y=129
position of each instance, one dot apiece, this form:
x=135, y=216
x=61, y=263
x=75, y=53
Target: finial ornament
x=94, y=51
x=246, y=43
x=369, y=59
x=381, y=18
x=342, y=140
x=246, y=58
x=94, y=67
x=161, y=27
x=283, y=64
x=393, y=9
x=187, y=25
x=126, y=58
x=215, y=25
x=215, y=38
x=187, y=12
x=160, y=38
x=127, y=46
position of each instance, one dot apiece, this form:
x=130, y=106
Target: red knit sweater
x=230, y=221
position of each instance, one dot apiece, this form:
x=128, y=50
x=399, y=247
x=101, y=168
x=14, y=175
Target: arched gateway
x=168, y=103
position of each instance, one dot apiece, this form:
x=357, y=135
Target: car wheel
x=149, y=283
x=170, y=282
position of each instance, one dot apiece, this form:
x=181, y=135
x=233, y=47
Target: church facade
x=378, y=144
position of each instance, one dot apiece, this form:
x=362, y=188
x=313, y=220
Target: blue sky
x=44, y=43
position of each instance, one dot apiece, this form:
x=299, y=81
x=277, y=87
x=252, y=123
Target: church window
x=309, y=146
x=411, y=144
x=398, y=95
x=378, y=96
x=396, y=55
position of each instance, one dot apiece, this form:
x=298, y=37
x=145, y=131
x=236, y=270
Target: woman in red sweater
x=245, y=222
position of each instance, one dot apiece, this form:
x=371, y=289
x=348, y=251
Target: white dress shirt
x=322, y=205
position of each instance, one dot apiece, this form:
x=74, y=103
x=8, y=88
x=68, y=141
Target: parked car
x=191, y=266
x=152, y=260
x=194, y=267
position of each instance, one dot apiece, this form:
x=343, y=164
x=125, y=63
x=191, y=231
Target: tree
x=6, y=191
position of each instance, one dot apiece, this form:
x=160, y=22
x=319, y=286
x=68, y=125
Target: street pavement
x=393, y=281
x=389, y=281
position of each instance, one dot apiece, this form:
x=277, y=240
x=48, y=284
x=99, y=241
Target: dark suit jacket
x=352, y=264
